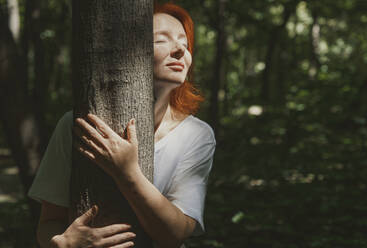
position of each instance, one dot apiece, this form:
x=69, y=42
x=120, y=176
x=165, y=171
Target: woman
x=170, y=210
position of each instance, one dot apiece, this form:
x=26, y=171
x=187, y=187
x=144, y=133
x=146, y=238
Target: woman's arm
x=162, y=220
x=118, y=157
x=52, y=222
x=52, y=231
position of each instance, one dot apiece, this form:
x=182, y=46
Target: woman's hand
x=117, y=156
x=79, y=235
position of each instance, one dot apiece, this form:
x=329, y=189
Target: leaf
x=238, y=217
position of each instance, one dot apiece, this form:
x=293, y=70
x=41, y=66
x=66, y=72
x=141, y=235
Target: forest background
x=286, y=92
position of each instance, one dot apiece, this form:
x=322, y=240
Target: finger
x=91, y=143
x=84, y=150
x=124, y=245
x=88, y=215
x=90, y=132
x=123, y=133
x=131, y=132
x=101, y=125
x=113, y=229
x=117, y=239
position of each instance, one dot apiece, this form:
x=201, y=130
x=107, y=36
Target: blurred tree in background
x=286, y=89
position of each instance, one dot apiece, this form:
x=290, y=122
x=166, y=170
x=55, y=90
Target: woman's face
x=172, y=60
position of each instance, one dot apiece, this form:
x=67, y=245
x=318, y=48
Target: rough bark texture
x=112, y=78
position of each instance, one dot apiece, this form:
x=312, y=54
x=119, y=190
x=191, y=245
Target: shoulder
x=199, y=129
x=65, y=123
x=196, y=136
x=198, y=147
x=67, y=118
x=63, y=129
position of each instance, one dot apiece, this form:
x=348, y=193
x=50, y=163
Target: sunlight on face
x=172, y=60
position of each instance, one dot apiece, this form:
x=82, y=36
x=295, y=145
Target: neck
x=162, y=90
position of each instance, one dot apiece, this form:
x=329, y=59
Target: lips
x=176, y=66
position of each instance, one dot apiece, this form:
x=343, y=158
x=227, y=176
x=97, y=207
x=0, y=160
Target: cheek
x=159, y=54
x=188, y=59
x=156, y=57
x=158, y=61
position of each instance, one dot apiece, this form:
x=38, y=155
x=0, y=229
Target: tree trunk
x=273, y=45
x=218, y=65
x=41, y=74
x=17, y=112
x=14, y=19
x=314, y=35
x=112, y=78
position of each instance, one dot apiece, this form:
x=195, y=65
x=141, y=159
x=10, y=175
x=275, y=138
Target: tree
x=218, y=75
x=112, y=78
x=18, y=110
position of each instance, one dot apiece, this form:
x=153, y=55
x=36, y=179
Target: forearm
x=47, y=233
x=162, y=220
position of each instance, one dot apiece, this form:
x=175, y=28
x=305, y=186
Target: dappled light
x=285, y=87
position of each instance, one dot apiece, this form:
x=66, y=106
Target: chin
x=174, y=83
x=178, y=79
x=173, y=80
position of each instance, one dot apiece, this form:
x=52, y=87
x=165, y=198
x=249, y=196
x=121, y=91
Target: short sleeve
x=188, y=188
x=51, y=183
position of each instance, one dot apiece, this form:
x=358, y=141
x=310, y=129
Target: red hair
x=185, y=98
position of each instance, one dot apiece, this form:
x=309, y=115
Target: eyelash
x=159, y=41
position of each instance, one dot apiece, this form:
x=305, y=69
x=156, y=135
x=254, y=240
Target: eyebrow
x=181, y=35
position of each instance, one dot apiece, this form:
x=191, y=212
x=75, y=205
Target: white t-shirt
x=182, y=162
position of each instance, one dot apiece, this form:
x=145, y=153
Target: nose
x=178, y=51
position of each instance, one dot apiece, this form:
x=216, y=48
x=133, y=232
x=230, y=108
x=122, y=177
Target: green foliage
x=289, y=169
x=15, y=227
x=290, y=164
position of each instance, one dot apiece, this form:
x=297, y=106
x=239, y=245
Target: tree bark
x=112, y=78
